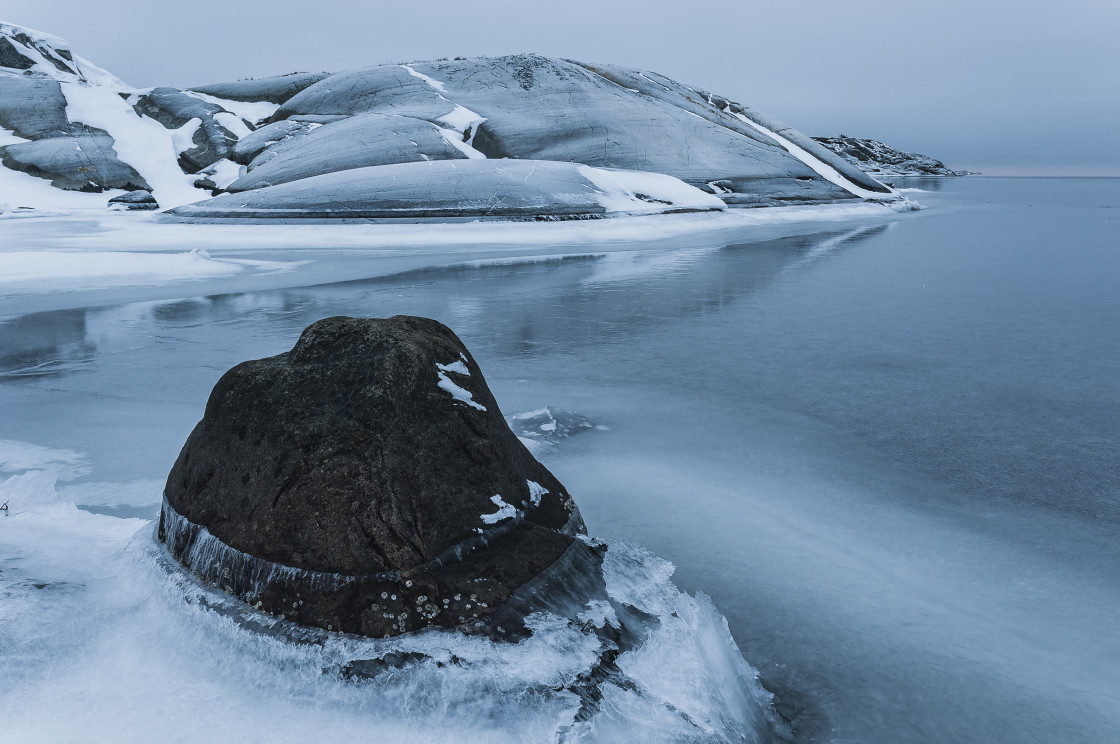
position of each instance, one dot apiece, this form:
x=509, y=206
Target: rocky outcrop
x=81, y=161
x=354, y=142
x=881, y=159
x=32, y=107
x=135, y=201
x=294, y=128
x=277, y=89
x=531, y=107
x=459, y=189
x=366, y=482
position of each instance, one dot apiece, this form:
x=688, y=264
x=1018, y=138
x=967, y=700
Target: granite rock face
x=365, y=481
x=275, y=89
x=354, y=142
x=458, y=189
x=541, y=108
x=294, y=128
x=32, y=107
x=83, y=160
x=135, y=201
x=881, y=159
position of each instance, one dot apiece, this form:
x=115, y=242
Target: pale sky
x=993, y=85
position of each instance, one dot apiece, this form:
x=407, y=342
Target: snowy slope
x=72, y=127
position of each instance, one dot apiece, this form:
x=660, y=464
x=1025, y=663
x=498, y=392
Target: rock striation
x=366, y=482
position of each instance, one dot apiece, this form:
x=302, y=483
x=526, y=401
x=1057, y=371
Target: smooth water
x=886, y=449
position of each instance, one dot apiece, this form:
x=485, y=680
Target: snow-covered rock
x=880, y=159
x=354, y=142
x=461, y=189
x=271, y=89
x=67, y=121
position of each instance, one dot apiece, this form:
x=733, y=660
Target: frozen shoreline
x=93, y=257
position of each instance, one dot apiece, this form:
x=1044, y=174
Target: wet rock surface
x=367, y=482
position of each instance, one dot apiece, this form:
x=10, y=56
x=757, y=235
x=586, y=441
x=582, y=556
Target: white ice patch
x=9, y=138
x=139, y=141
x=17, y=457
x=182, y=139
x=636, y=192
x=461, y=119
x=456, y=140
x=536, y=490
x=460, y=394
x=224, y=172
x=440, y=87
x=22, y=191
x=253, y=111
x=33, y=271
x=505, y=511
x=233, y=123
x=598, y=614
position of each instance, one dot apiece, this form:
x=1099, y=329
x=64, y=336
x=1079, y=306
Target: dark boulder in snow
x=461, y=189
x=135, y=201
x=365, y=481
x=277, y=89
x=82, y=161
x=355, y=142
x=212, y=139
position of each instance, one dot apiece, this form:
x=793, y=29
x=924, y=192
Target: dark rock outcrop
x=137, y=201
x=366, y=482
x=879, y=158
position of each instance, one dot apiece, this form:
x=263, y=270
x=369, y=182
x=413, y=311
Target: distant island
x=515, y=137
x=880, y=159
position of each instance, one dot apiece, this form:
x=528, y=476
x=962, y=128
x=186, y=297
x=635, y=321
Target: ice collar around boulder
x=366, y=481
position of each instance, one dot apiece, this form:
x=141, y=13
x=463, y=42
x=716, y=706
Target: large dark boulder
x=366, y=481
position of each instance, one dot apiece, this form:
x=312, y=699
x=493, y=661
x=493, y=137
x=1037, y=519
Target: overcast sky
x=1004, y=87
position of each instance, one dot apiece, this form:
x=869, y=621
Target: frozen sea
x=886, y=445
